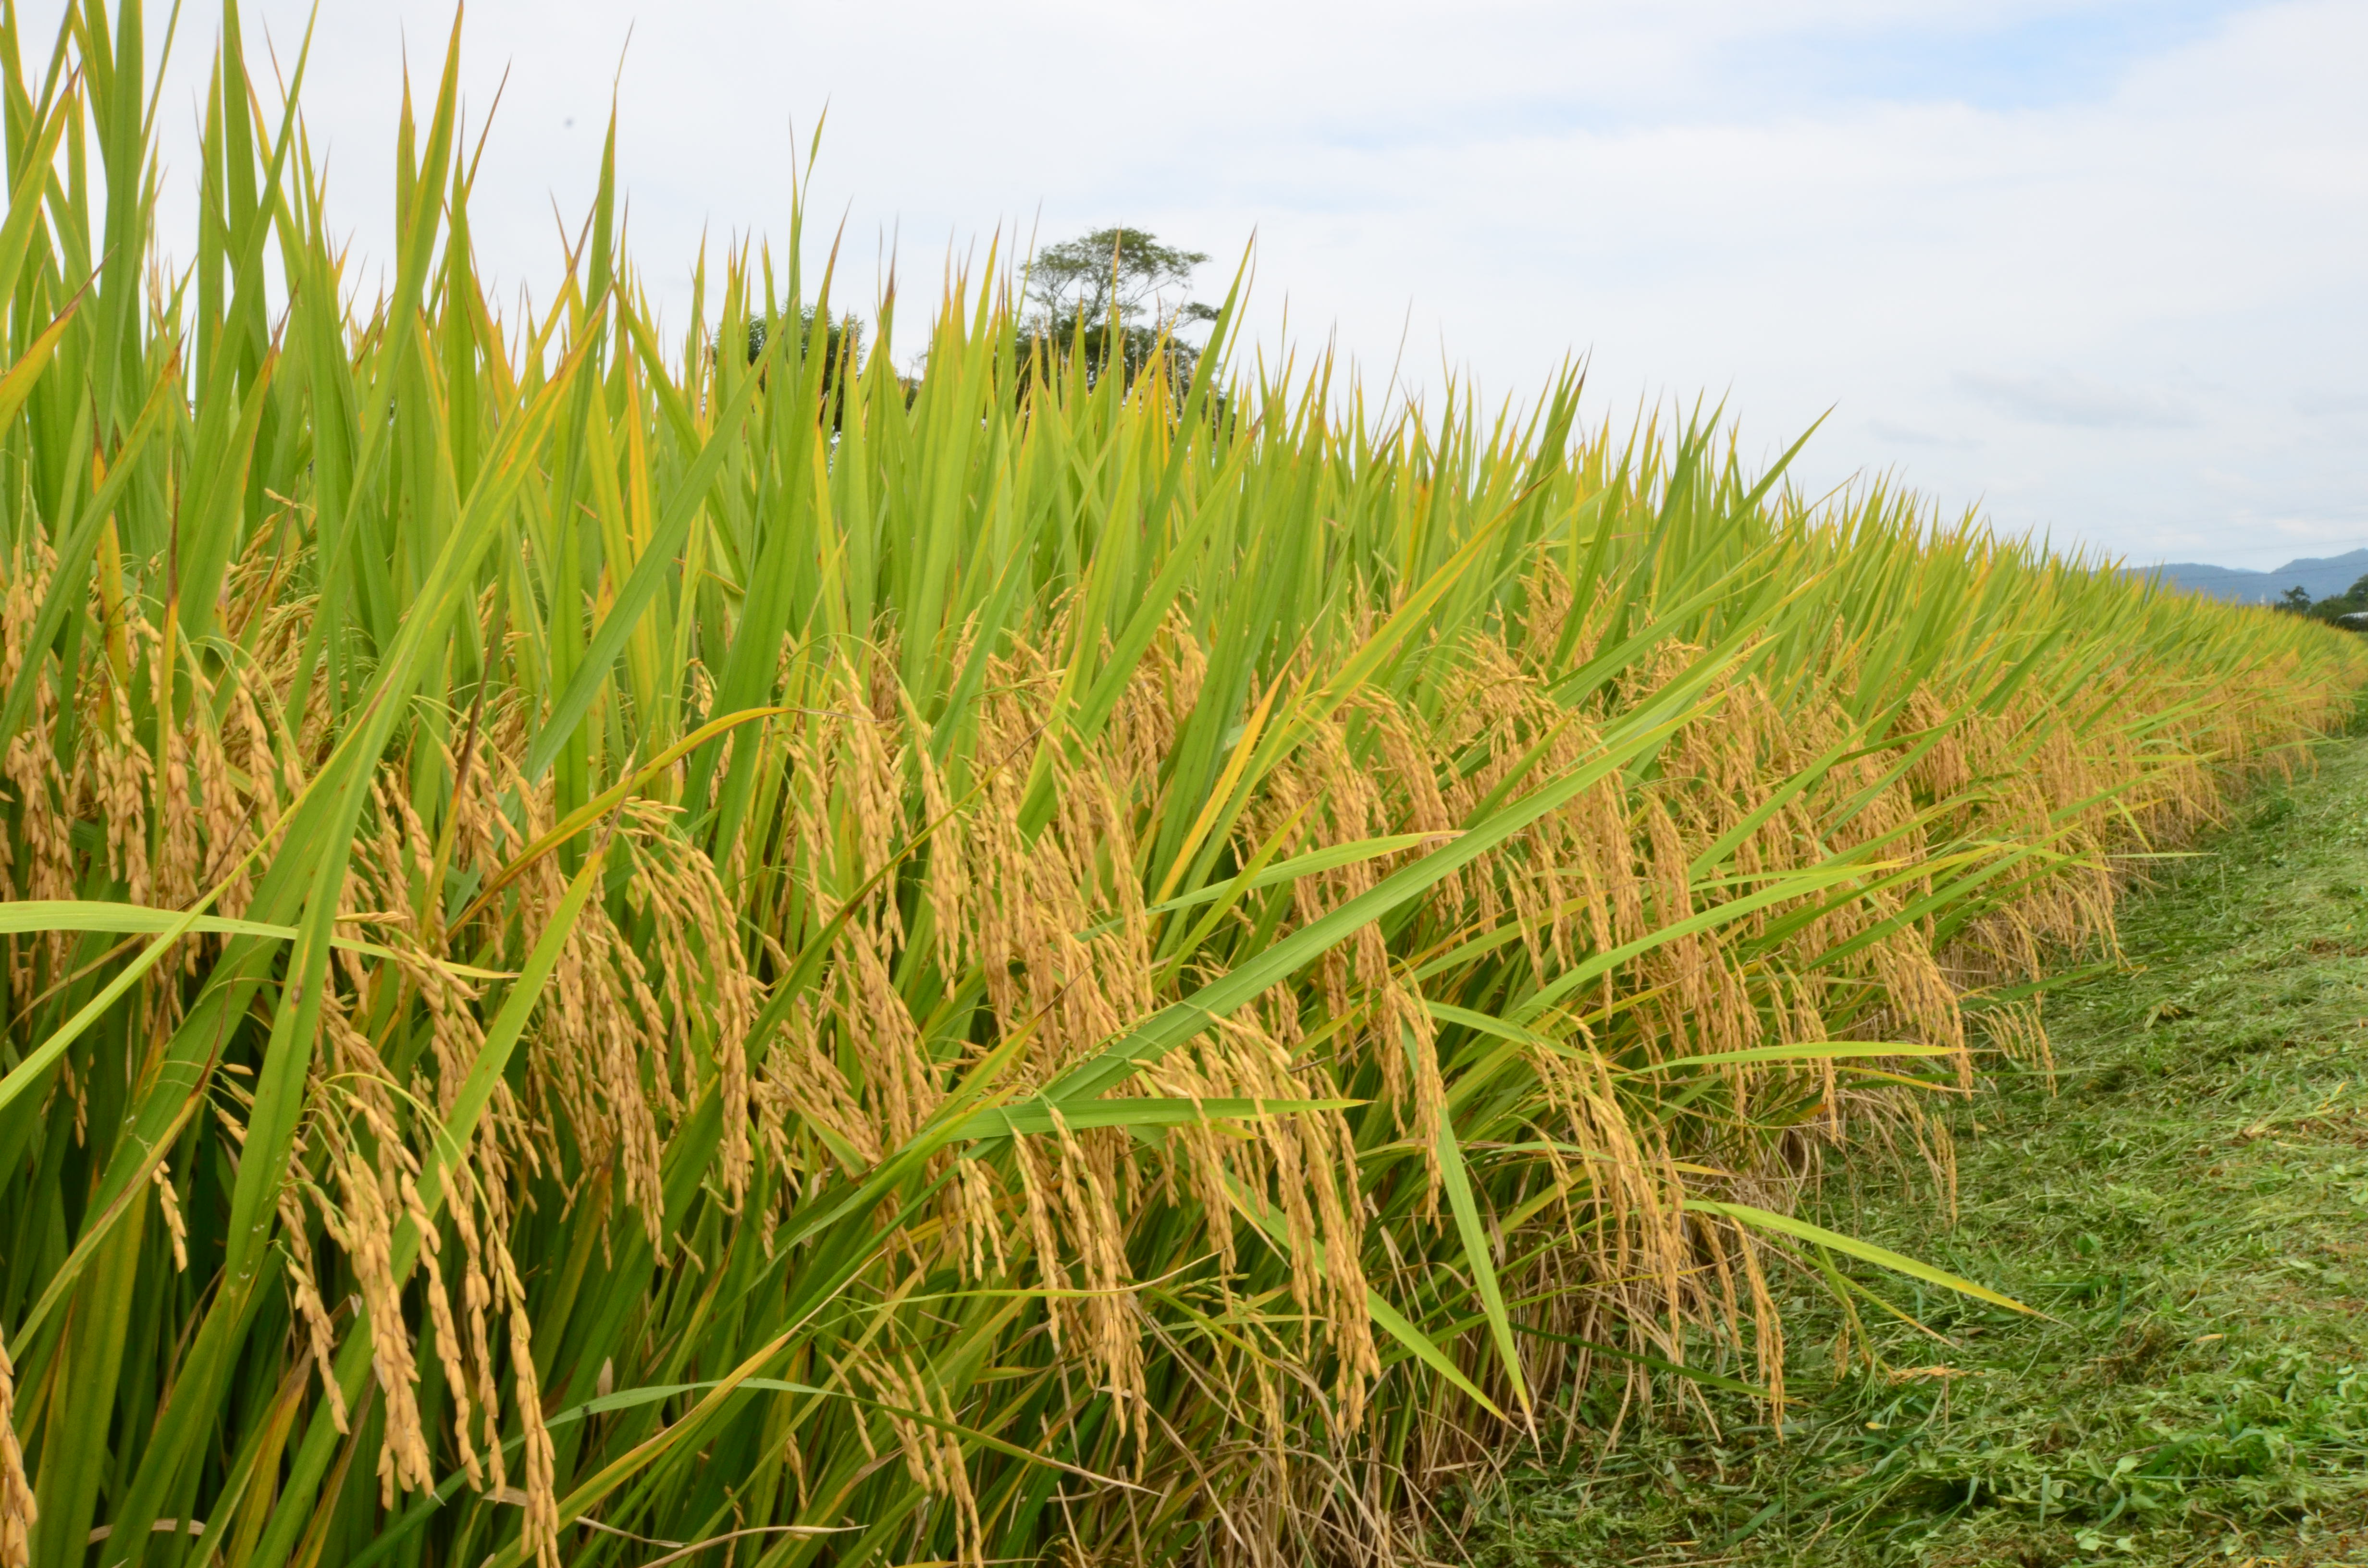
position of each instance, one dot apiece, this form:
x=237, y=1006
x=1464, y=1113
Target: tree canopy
x=1113, y=296
x=1116, y=271
x=2353, y=600
x=839, y=339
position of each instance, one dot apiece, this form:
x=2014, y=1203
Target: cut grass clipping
x=623, y=948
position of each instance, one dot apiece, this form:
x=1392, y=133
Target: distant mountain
x=2322, y=577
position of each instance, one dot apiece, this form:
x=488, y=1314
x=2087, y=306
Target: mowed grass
x=2187, y=1199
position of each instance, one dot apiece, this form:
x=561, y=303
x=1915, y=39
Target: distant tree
x=2297, y=599
x=1114, y=270
x=842, y=332
x=840, y=342
x=1110, y=296
x=2351, y=601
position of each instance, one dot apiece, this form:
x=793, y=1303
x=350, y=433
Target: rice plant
x=615, y=948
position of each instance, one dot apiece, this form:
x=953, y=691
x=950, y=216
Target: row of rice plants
x=613, y=949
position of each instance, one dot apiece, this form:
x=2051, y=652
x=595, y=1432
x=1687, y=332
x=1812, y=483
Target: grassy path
x=2190, y=1205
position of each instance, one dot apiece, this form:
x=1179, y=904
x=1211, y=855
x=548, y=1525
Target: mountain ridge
x=2321, y=576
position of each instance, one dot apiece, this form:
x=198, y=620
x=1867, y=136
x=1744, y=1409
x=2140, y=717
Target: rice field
x=621, y=953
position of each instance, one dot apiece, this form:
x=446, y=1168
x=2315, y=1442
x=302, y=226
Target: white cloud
x=2059, y=397
x=1894, y=435
x=2055, y=256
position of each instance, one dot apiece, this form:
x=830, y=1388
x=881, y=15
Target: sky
x=2094, y=268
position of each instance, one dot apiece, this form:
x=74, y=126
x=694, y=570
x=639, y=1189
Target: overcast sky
x=2095, y=267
